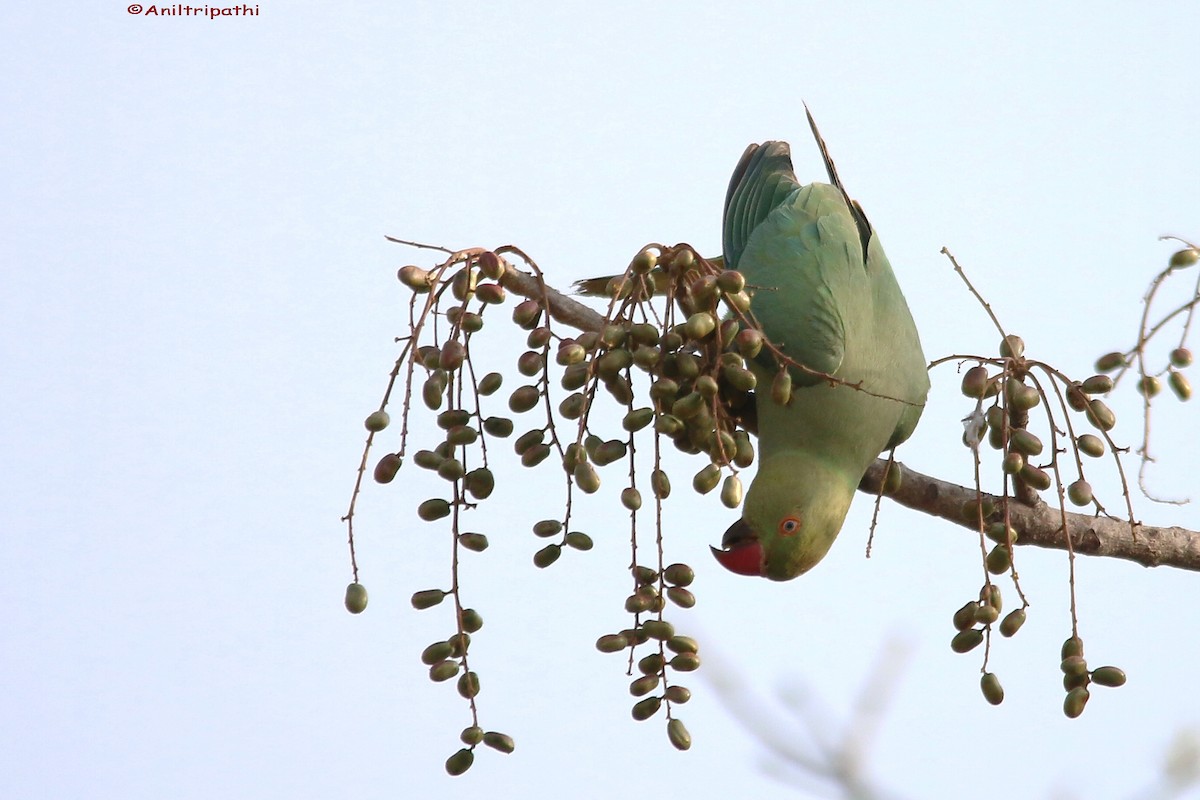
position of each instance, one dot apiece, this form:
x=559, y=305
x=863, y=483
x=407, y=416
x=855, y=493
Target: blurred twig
x=805, y=750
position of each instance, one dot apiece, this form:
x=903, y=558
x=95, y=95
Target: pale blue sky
x=198, y=311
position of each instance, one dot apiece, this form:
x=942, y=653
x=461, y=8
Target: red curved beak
x=742, y=553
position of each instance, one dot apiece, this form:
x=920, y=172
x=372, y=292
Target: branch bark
x=565, y=309
x=1039, y=524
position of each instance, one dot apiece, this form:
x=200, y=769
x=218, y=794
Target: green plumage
x=822, y=290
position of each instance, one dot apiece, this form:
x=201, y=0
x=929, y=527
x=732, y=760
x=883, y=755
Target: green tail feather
x=762, y=180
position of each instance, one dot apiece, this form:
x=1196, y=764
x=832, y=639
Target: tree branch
x=1039, y=525
x=563, y=308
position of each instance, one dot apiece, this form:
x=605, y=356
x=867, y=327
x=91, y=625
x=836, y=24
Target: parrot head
x=792, y=513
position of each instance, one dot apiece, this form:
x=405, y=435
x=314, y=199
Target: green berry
x=700, y=325
x=1039, y=479
x=387, y=468
x=1180, y=385
x=645, y=709
x=433, y=509
x=452, y=356
x=986, y=614
x=1025, y=442
x=443, y=671
x=547, y=556
x=681, y=597
x=781, y=388
x=893, y=479
x=966, y=641
x=579, y=540
x=356, y=598
x=658, y=629
x=523, y=398
x=476, y=542
x=679, y=575
x=1012, y=346
x=731, y=492
x=631, y=498
x=499, y=741
x=1108, y=676
x=468, y=685
x=489, y=383
x=1098, y=384
x=415, y=278
x=460, y=762
x=490, y=293
x=612, y=643
x=1149, y=386
x=1110, y=362
x=1072, y=647
x=438, y=651
x=964, y=618
x=651, y=665
x=660, y=482
x=1080, y=493
x=643, y=262
x=999, y=560
x=678, y=734
x=683, y=644
x=974, y=382
x=1090, y=445
x=685, y=662
x=480, y=482
x=1100, y=415
x=586, y=477
x=993, y=692
x=1182, y=259
x=427, y=598
x=471, y=620
x=377, y=421
x=706, y=479
x=1012, y=623
x=1075, y=701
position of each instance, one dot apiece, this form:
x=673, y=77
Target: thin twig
x=986, y=305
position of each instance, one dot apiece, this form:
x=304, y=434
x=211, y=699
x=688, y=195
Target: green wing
x=801, y=252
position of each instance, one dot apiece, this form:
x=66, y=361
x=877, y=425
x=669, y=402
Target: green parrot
x=824, y=292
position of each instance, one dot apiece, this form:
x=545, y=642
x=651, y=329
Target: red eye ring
x=789, y=526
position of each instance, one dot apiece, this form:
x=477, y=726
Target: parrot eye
x=789, y=526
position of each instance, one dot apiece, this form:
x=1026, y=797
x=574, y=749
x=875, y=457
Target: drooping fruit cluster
x=448, y=307
x=1150, y=382
x=669, y=651
x=664, y=328
x=1150, y=369
x=698, y=387
x=1014, y=391
x=1077, y=677
x=1151, y=385
x=1007, y=391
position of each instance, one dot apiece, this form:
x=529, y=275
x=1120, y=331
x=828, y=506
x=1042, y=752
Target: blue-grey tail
x=762, y=180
